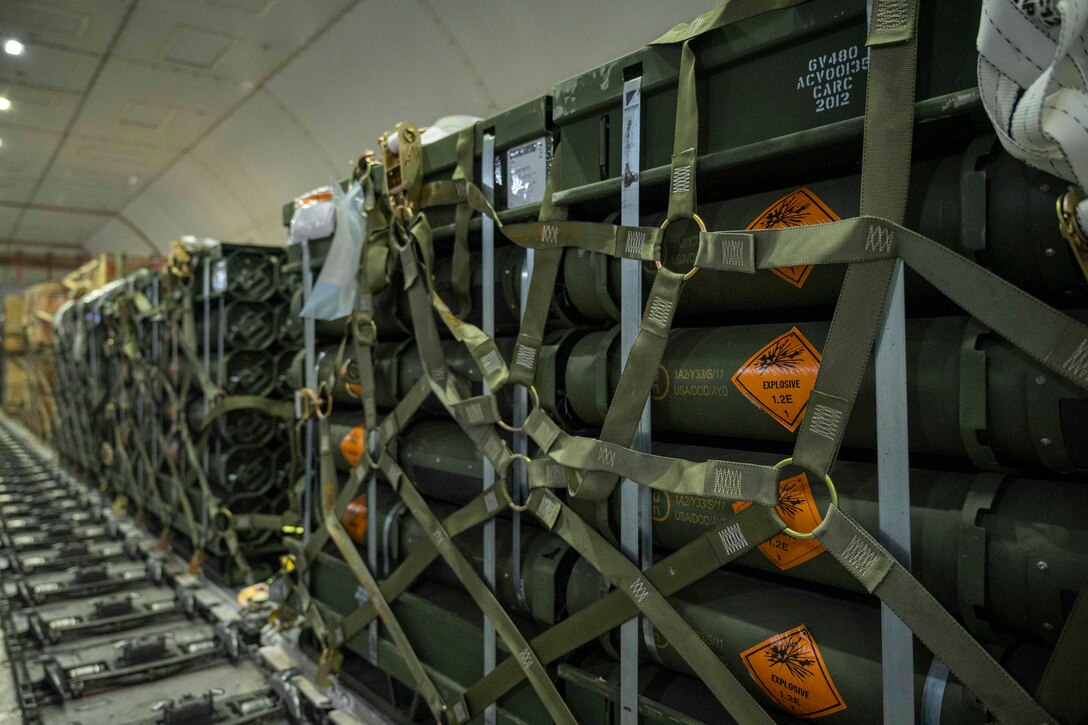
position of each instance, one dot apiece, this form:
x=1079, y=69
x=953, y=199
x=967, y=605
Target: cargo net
x=169, y=395
x=572, y=476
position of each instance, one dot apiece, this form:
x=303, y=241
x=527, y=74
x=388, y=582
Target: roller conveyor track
x=100, y=624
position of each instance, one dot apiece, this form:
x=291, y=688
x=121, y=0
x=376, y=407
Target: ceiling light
x=13, y=47
x=5, y=104
x=1, y=142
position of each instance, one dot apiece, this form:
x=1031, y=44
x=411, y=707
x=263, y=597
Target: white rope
x=1033, y=77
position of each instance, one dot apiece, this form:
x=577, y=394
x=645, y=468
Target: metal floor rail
x=100, y=624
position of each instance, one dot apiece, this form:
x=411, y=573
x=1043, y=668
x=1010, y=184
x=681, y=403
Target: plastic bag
x=314, y=220
x=334, y=293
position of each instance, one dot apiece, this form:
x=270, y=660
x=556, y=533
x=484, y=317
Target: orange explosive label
x=798, y=510
x=796, y=209
x=356, y=519
x=780, y=377
x=351, y=445
x=791, y=670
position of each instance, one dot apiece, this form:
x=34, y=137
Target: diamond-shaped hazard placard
x=798, y=510
x=796, y=209
x=351, y=445
x=779, y=378
x=790, y=669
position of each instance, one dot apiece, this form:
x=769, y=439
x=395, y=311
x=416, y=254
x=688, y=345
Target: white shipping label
x=527, y=172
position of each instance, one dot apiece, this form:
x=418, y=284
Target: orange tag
x=796, y=209
x=351, y=447
x=791, y=670
x=356, y=519
x=780, y=377
x=355, y=389
x=797, y=509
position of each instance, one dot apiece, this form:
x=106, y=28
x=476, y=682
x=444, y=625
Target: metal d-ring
x=323, y=401
x=227, y=514
x=519, y=429
x=665, y=225
x=521, y=508
x=831, y=489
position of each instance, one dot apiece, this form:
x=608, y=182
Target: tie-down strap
x=480, y=509
x=640, y=590
x=711, y=479
x=1052, y=338
x=879, y=572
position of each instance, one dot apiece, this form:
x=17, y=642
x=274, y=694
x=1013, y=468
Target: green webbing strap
x=145, y=459
x=640, y=589
x=361, y=326
x=461, y=192
x=685, y=141
x=387, y=431
x=711, y=479
x=485, y=353
x=128, y=474
x=683, y=567
x=726, y=13
x=480, y=509
x=284, y=410
x=538, y=298
x=211, y=505
x=363, y=338
x=343, y=542
x=534, y=320
x=444, y=386
x=639, y=371
x=266, y=522
x=637, y=378
x=478, y=589
x=1053, y=339
x=419, y=301
x=879, y=572
x=186, y=337
x=461, y=264
x=483, y=436
x=179, y=495
x=308, y=607
x=1062, y=690
x=885, y=171
x=482, y=348
x=641, y=243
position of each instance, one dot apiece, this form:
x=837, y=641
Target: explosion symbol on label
x=797, y=209
x=798, y=510
x=790, y=669
x=780, y=377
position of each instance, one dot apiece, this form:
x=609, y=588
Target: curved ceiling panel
x=205, y=117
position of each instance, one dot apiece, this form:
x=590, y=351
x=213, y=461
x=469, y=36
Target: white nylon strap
x=1033, y=77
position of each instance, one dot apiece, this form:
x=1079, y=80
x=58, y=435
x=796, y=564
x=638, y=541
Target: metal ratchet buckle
x=1067, y=217
x=519, y=429
x=834, y=501
x=523, y=507
x=665, y=225
x=1070, y=227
